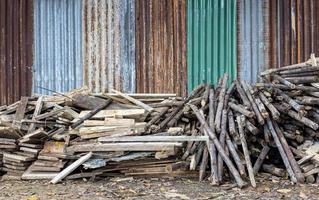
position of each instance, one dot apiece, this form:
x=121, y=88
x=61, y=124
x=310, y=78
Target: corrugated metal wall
x=211, y=40
x=16, y=55
x=252, y=43
x=294, y=28
x=109, y=45
x=58, y=45
x=161, y=46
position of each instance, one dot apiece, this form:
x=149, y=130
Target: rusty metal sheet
x=109, y=45
x=161, y=46
x=16, y=53
x=294, y=31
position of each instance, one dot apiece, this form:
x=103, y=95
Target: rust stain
x=161, y=46
x=16, y=49
x=294, y=25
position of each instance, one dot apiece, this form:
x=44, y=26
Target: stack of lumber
x=227, y=132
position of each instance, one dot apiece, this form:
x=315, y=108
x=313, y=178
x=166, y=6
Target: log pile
x=228, y=132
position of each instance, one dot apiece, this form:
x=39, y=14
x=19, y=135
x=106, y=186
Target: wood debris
x=221, y=133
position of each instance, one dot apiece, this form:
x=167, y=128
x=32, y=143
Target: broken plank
x=71, y=168
x=129, y=113
x=135, y=101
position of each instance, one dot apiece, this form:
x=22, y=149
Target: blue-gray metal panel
x=109, y=45
x=58, y=45
x=251, y=39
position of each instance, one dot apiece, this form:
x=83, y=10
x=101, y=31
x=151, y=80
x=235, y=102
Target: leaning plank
x=154, y=139
x=37, y=111
x=127, y=146
x=19, y=115
x=71, y=168
x=135, y=101
x=113, y=113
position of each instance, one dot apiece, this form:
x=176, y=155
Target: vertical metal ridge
x=109, y=45
x=58, y=42
x=211, y=40
x=16, y=49
x=161, y=46
x=251, y=39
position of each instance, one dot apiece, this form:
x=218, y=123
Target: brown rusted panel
x=16, y=52
x=294, y=31
x=161, y=46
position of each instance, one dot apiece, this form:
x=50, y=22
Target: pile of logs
x=228, y=132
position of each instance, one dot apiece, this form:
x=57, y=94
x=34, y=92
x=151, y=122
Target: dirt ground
x=154, y=188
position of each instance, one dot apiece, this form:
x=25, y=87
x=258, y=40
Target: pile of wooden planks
x=226, y=132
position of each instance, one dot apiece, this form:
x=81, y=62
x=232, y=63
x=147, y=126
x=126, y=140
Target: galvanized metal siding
x=109, y=45
x=161, y=46
x=252, y=36
x=294, y=31
x=16, y=55
x=211, y=40
x=58, y=45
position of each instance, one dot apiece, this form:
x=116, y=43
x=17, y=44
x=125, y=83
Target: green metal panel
x=211, y=40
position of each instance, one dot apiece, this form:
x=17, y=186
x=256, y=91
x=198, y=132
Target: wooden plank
x=29, y=175
x=135, y=101
x=140, y=95
x=127, y=146
x=36, y=112
x=48, y=114
x=129, y=113
x=19, y=115
x=71, y=168
x=17, y=157
x=154, y=139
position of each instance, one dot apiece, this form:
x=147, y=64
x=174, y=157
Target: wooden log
x=71, y=168
x=191, y=96
x=284, y=87
x=231, y=124
x=235, y=155
x=259, y=117
x=273, y=111
x=219, y=148
x=242, y=94
x=274, y=170
x=281, y=151
x=203, y=165
x=91, y=113
x=308, y=100
x=252, y=128
x=299, y=118
x=220, y=106
x=229, y=92
x=240, y=109
x=299, y=108
x=222, y=140
x=155, y=119
x=303, y=79
x=205, y=96
x=240, y=123
x=261, y=158
x=284, y=81
x=211, y=145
